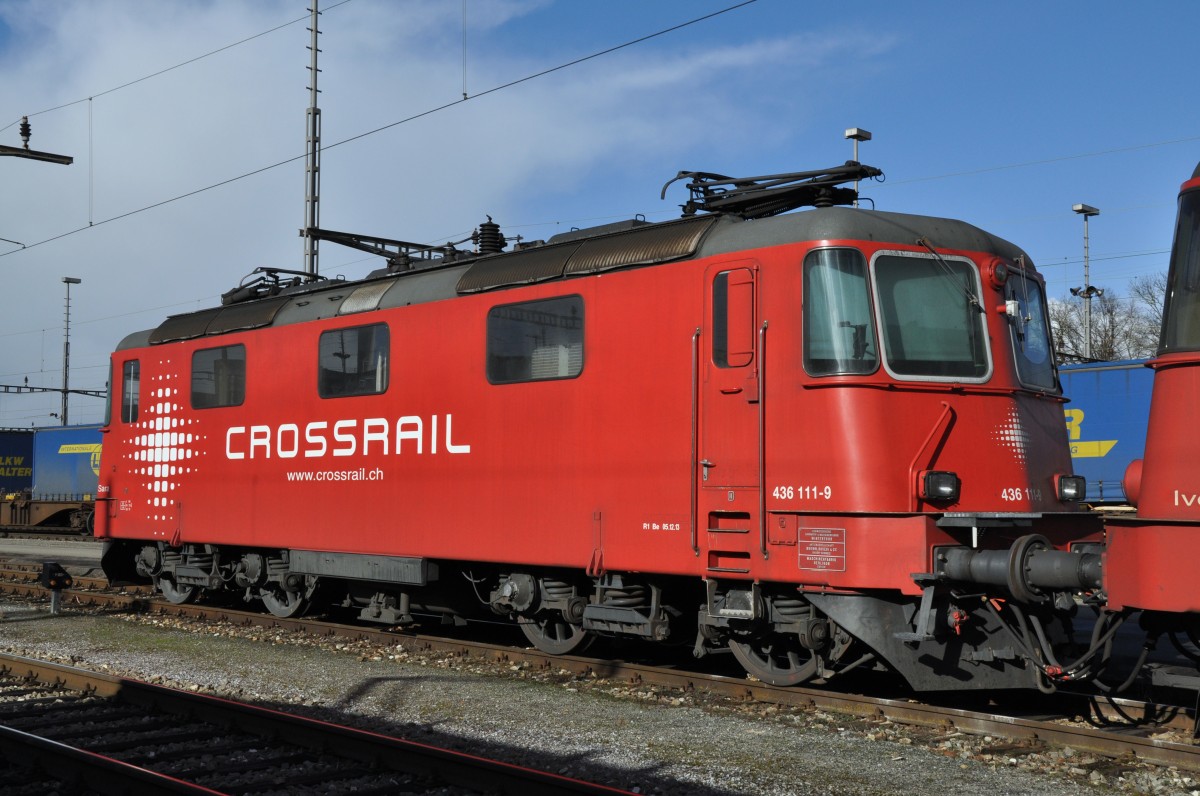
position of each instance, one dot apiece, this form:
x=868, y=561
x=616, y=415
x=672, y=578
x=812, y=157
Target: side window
x=353, y=361
x=1030, y=332
x=219, y=377
x=733, y=318
x=535, y=341
x=131, y=376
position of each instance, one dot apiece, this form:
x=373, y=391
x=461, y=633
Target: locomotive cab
x=916, y=455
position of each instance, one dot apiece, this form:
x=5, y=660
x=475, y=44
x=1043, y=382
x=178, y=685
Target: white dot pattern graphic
x=163, y=451
x=1011, y=434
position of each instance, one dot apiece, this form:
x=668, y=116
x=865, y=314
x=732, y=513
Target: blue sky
x=1000, y=115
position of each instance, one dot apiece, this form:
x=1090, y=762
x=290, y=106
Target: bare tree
x=1122, y=327
x=1066, y=324
x=1151, y=291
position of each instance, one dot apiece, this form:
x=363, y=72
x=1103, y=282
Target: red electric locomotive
x=821, y=439
x=1150, y=556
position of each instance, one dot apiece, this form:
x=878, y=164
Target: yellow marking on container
x=1074, y=419
x=80, y=448
x=1092, y=450
x=90, y=448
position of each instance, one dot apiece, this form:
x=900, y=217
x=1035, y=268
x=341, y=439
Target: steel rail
x=1097, y=741
x=31, y=574
x=103, y=774
x=377, y=750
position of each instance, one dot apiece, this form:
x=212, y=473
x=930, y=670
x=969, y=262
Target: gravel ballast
x=647, y=739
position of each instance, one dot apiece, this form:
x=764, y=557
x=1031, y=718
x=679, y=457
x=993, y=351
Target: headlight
x=997, y=273
x=939, y=485
x=1071, y=488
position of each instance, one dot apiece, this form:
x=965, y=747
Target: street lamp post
x=1087, y=291
x=68, y=281
x=857, y=134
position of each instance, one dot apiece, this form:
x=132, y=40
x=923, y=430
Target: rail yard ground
x=651, y=739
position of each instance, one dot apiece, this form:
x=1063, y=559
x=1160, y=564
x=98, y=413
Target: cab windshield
x=1181, y=312
x=931, y=319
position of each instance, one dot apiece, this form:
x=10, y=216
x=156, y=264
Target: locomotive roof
x=576, y=253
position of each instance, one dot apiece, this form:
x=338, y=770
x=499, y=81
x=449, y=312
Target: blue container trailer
x=16, y=461
x=1106, y=421
x=66, y=463
x=59, y=490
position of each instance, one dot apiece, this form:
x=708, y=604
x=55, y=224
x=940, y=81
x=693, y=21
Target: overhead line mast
x=33, y=154
x=312, y=163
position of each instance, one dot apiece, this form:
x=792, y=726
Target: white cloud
x=598, y=138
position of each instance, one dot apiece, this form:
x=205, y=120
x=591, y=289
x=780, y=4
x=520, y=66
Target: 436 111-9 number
x=802, y=492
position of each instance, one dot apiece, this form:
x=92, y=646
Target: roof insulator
x=491, y=241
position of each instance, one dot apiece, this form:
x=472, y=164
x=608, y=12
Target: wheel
x=175, y=594
x=283, y=603
x=554, y=635
x=775, y=659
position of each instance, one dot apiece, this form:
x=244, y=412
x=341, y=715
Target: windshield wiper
x=972, y=299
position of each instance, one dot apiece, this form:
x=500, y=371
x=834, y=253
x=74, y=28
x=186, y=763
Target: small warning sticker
x=822, y=549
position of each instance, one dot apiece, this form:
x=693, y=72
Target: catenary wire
x=173, y=68
x=414, y=117
x=513, y=83
x=1042, y=265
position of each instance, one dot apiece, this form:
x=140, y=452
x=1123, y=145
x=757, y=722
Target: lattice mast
x=312, y=162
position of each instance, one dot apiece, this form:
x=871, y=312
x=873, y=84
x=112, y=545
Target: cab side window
x=733, y=318
x=131, y=373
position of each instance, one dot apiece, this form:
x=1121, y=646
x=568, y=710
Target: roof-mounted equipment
x=488, y=238
x=267, y=283
x=772, y=194
x=402, y=255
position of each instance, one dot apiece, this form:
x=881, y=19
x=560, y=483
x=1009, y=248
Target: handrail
x=695, y=461
x=762, y=440
x=924, y=455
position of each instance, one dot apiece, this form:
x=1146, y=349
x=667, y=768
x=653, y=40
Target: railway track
x=30, y=574
x=61, y=725
x=1110, y=727
x=42, y=532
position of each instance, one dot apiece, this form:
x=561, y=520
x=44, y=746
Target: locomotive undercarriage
x=182, y=573
x=774, y=632
x=958, y=635
x=948, y=639
x=562, y=613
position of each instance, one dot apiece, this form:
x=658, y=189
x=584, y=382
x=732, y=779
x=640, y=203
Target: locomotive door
x=114, y=482
x=728, y=455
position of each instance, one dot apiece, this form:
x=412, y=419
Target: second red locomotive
x=1151, y=555
x=822, y=439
